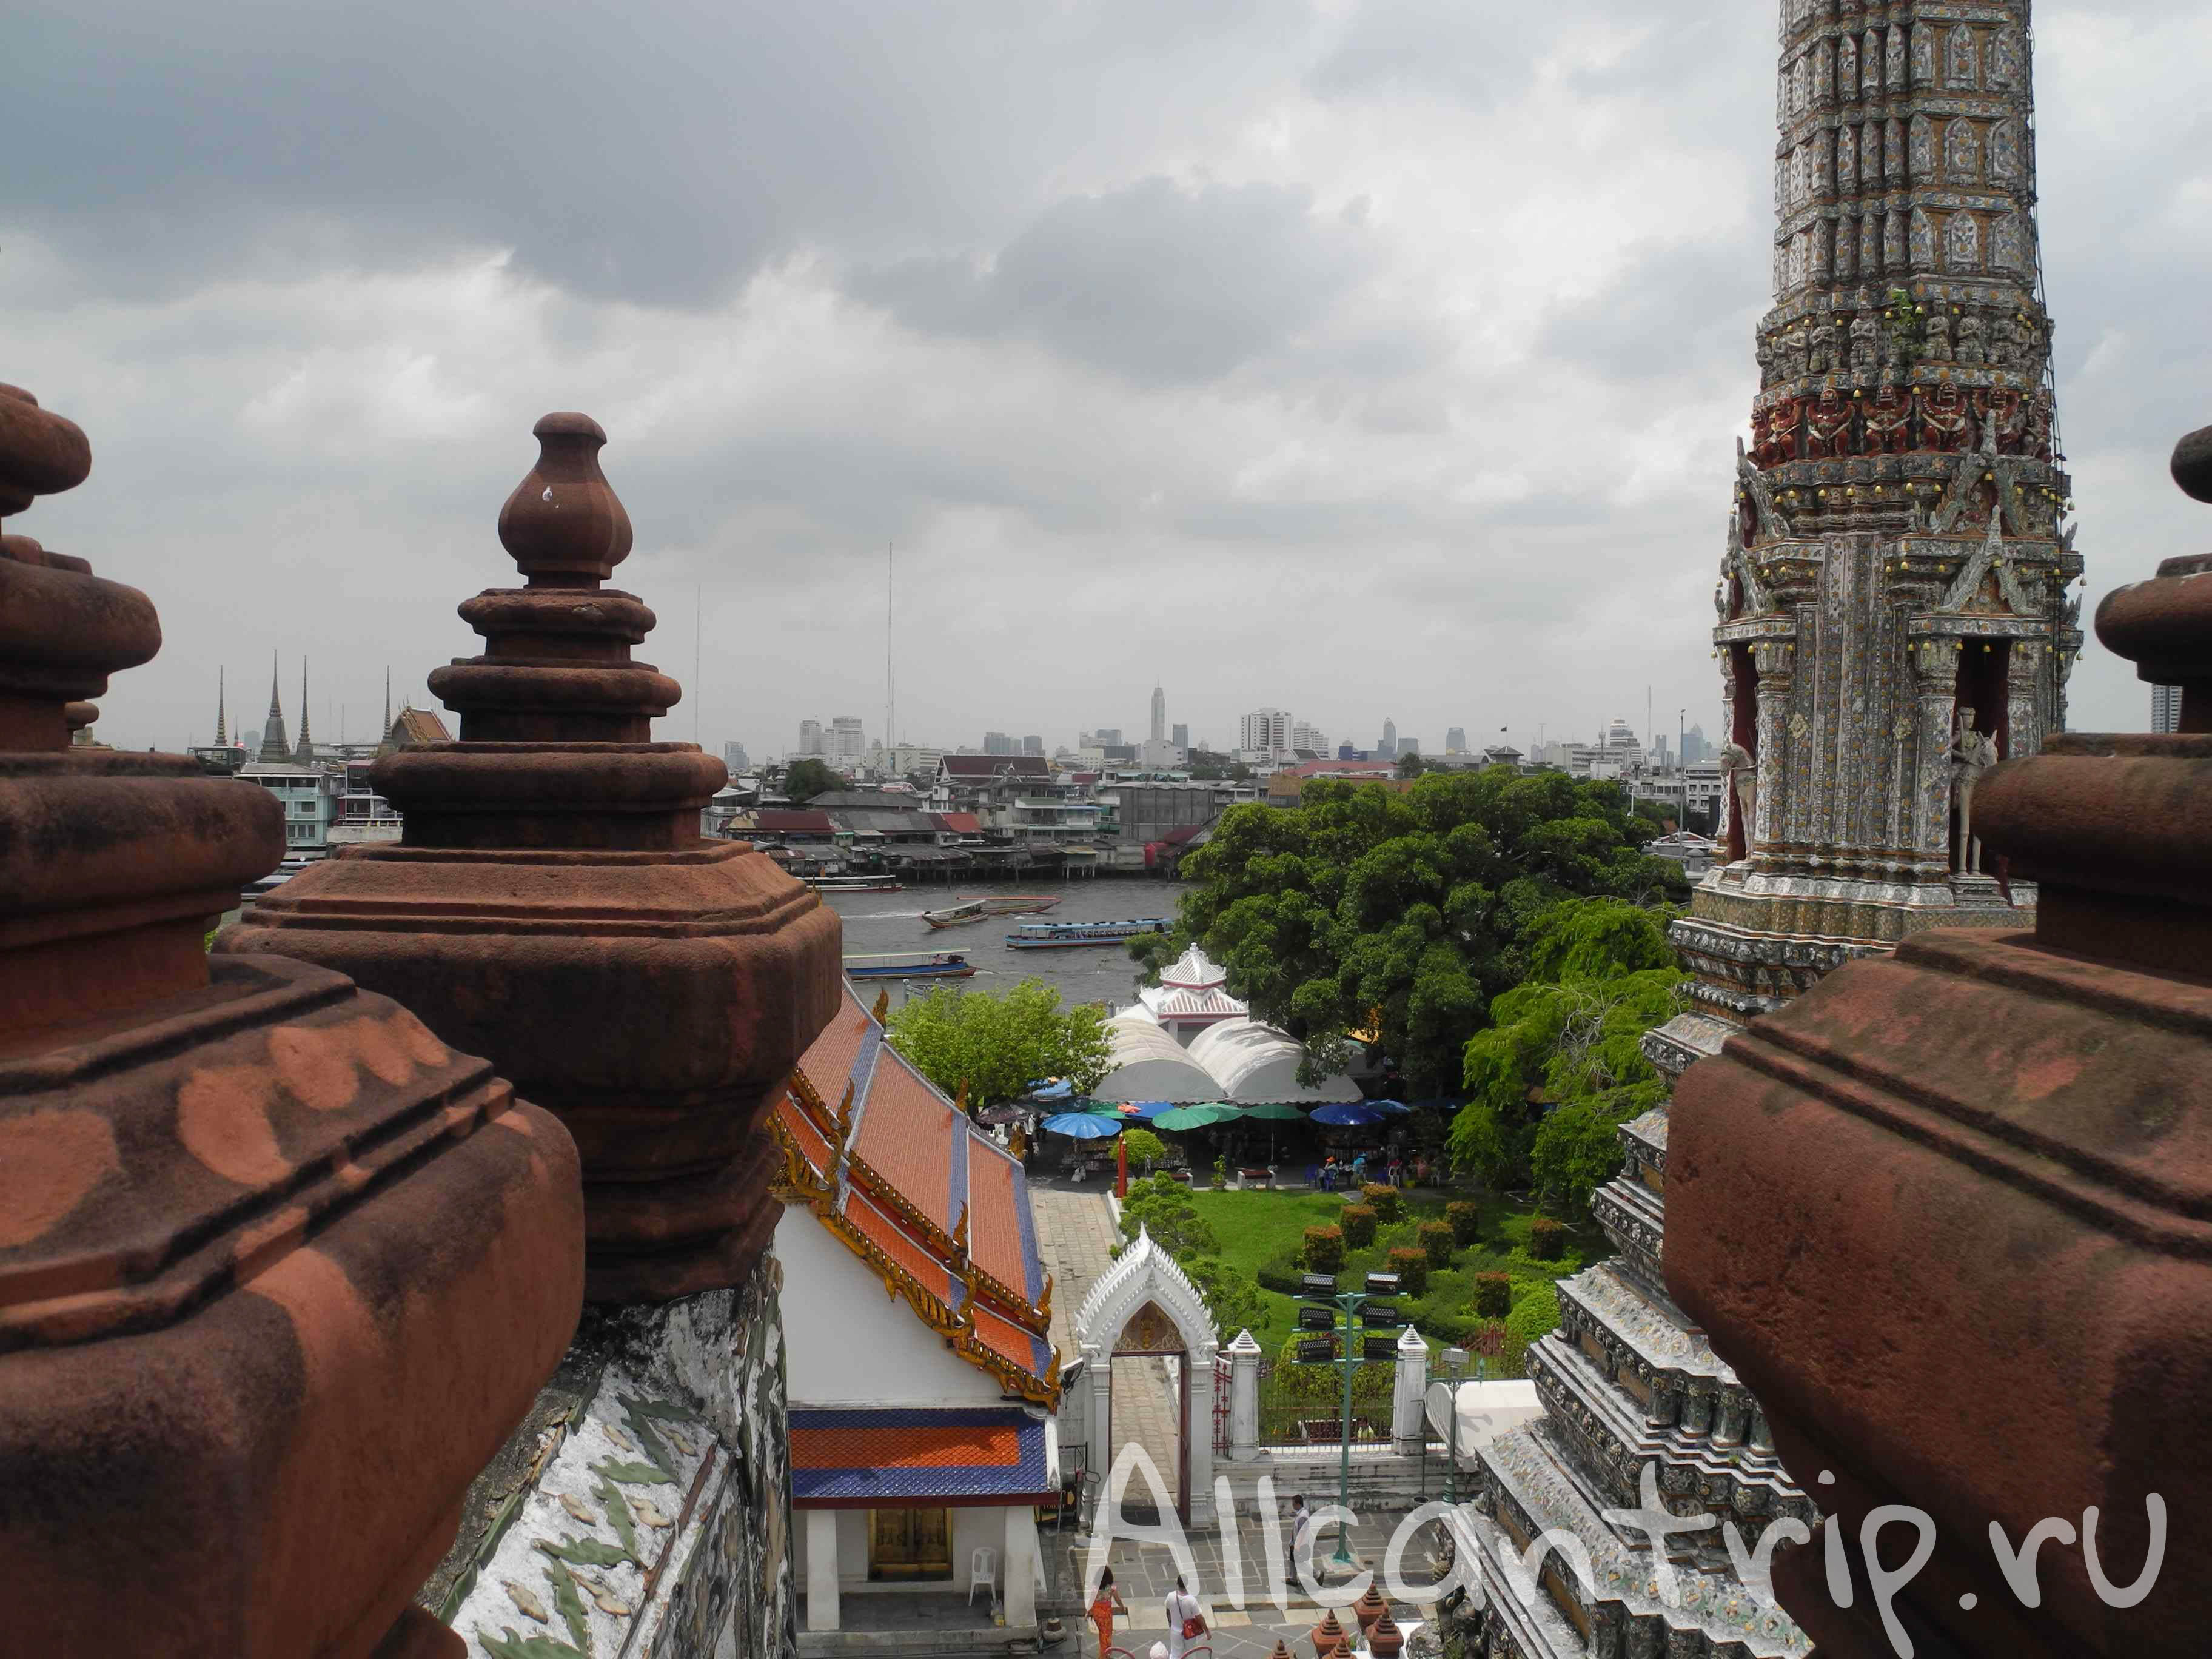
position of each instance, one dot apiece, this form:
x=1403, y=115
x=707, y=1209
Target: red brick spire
x=279, y=1271
x=553, y=904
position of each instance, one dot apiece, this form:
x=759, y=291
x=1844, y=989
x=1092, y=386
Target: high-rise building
x=1408, y=746
x=1265, y=730
x=1032, y=745
x=845, y=740
x=810, y=736
x=1159, y=733
x=998, y=742
x=1387, y=748
x=1456, y=740
x=1106, y=735
x=1892, y=619
x=735, y=759
x=1180, y=736
x=1694, y=747
x=2165, y=709
x=1309, y=739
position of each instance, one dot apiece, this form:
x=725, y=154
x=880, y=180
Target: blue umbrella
x=1083, y=1126
x=1345, y=1118
x=1391, y=1107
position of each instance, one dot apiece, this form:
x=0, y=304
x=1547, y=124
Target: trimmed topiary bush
x=1466, y=1221
x=1358, y=1223
x=1493, y=1295
x=1324, y=1249
x=1411, y=1267
x=1388, y=1202
x=1280, y=1275
x=1535, y=1315
x=1548, y=1239
x=1436, y=1238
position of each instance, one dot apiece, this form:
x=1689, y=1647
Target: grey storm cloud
x=1155, y=281
x=1364, y=357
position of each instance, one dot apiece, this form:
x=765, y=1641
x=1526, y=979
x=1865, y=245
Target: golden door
x=910, y=1544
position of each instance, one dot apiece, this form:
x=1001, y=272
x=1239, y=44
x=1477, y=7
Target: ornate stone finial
x=1328, y=1637
x=881, y=1012
x=1370, y=1609
x=553, y=904
x=245, y=1208
x=1384, y=1640
x=564, y=524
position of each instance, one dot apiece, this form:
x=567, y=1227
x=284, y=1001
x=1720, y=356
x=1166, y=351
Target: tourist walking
x=1301, y=1523
x=1186, y=1620
x=1103, y=1606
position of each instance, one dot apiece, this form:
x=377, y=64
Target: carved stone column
x=1776, y=680
x=1244, y=1355
x=553, y=904
x=1947, y=1214
x=1935, y=686
x=279, y=1269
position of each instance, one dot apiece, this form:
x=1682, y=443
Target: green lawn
x=1264, y=1230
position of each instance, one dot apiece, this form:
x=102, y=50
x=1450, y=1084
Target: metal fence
x=1304, y=1405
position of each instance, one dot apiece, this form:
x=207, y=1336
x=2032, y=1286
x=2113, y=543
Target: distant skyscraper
x=1106, y=735
x=1180, y=736
x=1408, y=746
x=734, y=757
x=1159, y=715
x=810, y=736
x=1267, y=730
x=1693, y=745
x=998, y=742
x=1032, y=745
x=1456, y=740
x=1387, y=749
x=2165, y=709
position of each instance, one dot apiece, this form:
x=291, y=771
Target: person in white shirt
x=1301, y=1525
x=1186, y=1621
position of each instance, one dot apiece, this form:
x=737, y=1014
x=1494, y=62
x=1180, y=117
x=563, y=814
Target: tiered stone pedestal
x=1628, y=1384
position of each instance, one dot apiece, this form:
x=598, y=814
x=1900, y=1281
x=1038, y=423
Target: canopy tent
x=1150, y=1066
x=1348, y=1116
x=1254, y=1064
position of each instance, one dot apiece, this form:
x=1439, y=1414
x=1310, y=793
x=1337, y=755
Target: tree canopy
x=808, y=778
x=996, y=1045
x=1559, y=1066
x=1397, y=917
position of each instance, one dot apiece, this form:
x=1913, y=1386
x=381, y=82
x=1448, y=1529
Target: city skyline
x=1478, y=417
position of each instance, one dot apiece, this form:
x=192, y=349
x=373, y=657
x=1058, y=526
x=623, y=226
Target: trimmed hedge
x=1535, y=1315
x=1280, y=1275
x=1547, y=1238
x=1493, y=1295
x=1411, y=1267
x=1388, y=1202
x=1466, y=1222
x=1324, y=1249
x=1436, y=1240
x=1359, y=1222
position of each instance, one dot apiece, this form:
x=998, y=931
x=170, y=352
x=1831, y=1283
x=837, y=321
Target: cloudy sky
x=1361, y=358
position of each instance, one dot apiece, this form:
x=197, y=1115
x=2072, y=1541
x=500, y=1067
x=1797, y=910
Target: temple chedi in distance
x=1895, y=618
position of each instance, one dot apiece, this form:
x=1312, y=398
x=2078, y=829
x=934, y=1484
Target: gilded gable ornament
x=1149, y=1331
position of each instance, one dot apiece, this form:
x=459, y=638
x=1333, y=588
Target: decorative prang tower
x=1894, y=563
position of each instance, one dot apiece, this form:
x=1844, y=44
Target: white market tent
x=1255, y=1064
x=1150, y=1065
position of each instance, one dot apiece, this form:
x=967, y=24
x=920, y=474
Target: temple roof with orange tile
x=911, y=1185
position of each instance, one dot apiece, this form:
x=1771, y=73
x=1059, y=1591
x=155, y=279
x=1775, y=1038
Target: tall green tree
x=1396, y=918
x=1561, y=1066
x=995, y=1045
x=808, y=778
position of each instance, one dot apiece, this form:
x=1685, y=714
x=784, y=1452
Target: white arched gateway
x=1145, y=1305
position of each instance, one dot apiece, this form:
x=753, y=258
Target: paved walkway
x=1076, y=1236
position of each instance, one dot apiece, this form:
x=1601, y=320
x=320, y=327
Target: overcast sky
x=1365, y=358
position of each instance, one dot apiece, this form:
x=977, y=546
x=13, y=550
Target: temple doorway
x=909, y=1544
x=1148, y=1345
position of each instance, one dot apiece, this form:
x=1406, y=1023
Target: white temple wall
x=849, y=1342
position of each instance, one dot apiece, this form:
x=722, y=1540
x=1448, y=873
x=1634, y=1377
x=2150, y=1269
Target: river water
x=892, y=921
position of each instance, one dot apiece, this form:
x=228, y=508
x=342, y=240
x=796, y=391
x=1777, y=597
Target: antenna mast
x=890, y=739
x=890, y=733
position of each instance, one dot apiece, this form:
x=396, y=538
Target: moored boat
x=1007, y=904
x=910, y=964
x=1070, y=935
x=857, y=884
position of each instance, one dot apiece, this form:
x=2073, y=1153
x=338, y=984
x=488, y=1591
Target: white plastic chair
x=983, y=1574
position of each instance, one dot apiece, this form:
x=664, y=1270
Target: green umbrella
x=1196, y=1117
x=1275, y=1112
